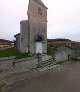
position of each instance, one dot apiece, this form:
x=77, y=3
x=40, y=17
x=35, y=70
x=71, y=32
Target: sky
x=63, y=18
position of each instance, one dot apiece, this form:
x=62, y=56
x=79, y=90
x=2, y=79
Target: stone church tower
x=33, y=32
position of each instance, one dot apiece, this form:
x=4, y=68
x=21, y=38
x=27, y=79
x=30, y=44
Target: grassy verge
x=62, y=62
x=12, y=52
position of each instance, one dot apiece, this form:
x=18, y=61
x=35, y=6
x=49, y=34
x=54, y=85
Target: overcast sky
x=63, y=18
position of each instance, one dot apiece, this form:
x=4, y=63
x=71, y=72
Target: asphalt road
x=67, y=79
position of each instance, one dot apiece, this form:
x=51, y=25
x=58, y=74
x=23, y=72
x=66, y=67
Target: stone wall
x=24, y=36
x=60, y=56
x=38, y=24
x=12, y=64
x=26, y=64
x=6, y=63
x=35, y=25
x=17, y=42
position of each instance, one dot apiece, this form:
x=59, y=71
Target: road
x=67, y=79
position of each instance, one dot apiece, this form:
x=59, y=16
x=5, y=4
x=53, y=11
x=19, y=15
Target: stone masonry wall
x=6, y=63
x=24, y=36
x=60, y=56
x=9, y=64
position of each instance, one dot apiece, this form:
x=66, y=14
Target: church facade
x=33, y=32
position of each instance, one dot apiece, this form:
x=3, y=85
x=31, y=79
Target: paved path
x=67, y=79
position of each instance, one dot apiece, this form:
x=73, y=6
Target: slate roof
x=16, y=35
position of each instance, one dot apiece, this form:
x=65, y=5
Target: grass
x=12, y=52
x=49, y=51
x=62, y=62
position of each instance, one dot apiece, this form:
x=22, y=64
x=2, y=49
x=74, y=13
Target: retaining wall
x=6, y=63
x=11, y=63
x=60, y=56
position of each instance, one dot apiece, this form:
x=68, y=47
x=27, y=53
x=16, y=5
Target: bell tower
x=33, y=32
x=37, y=18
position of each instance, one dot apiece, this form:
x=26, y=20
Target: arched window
x=39, y=11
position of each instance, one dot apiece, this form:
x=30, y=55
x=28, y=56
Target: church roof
x=16, y=35
x=24, y=21
x=40, y=2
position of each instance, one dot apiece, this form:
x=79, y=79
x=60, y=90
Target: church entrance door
x=38, y=47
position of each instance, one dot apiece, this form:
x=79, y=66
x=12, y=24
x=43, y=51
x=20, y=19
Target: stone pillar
x=39, y=55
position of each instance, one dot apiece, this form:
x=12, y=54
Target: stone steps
x=46, y=57
x=45, y=68
x=46, y=65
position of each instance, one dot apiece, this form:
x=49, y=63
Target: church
x=33, y=32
